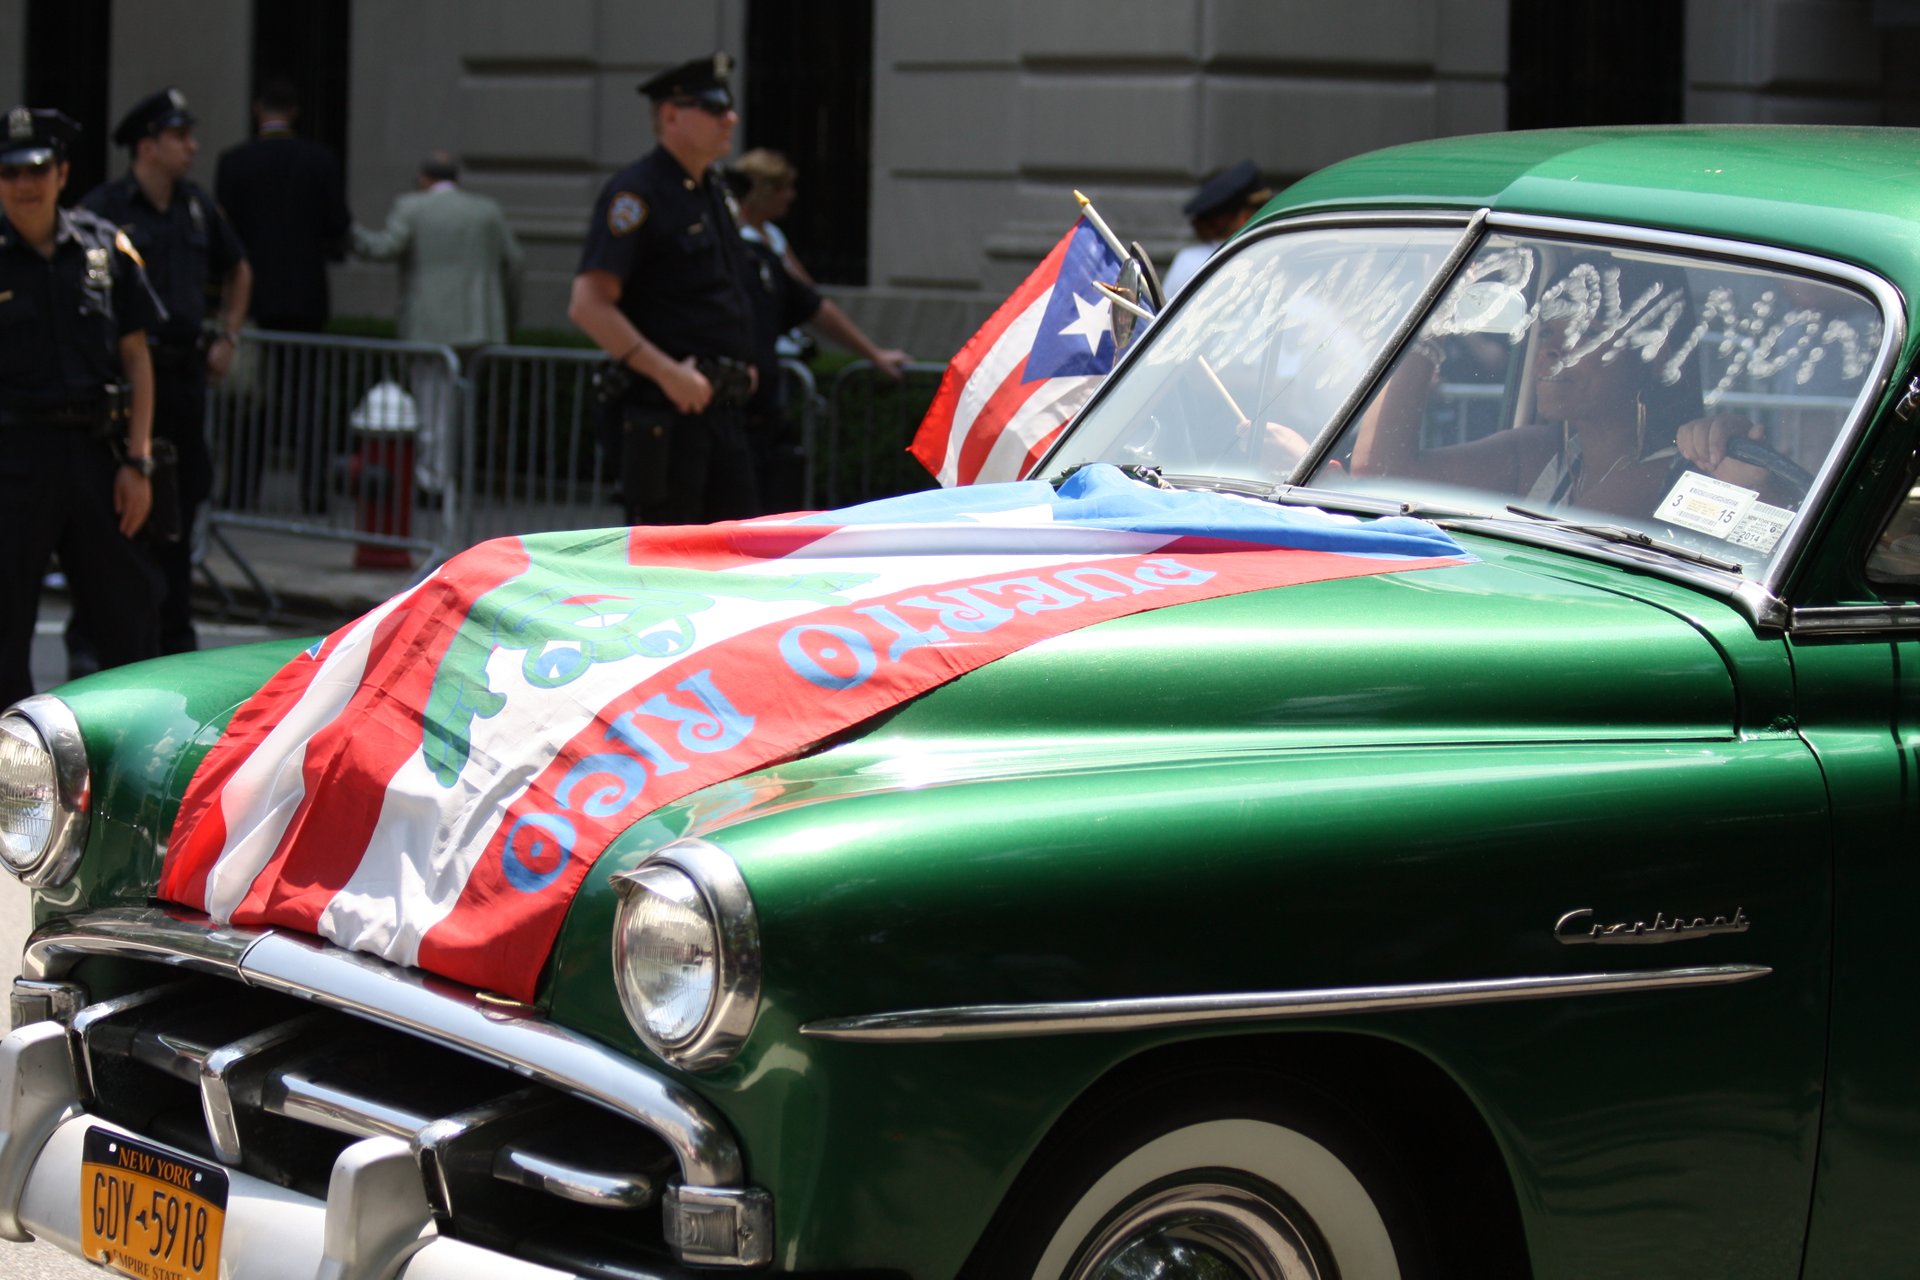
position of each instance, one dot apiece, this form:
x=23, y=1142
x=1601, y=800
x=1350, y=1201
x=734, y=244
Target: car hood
x=1513, y=648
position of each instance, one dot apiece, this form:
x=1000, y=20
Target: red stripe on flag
x=200, y=827
x=716, y=547
x=1039, y=449
x=350, y=763
x=1001, y=408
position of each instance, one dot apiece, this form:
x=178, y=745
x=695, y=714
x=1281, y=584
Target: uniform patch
x=626, y=213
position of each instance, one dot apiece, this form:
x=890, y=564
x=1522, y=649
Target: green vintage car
x=1529, y=916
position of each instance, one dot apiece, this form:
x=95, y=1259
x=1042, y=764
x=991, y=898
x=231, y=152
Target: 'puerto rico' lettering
x=607, y=783
x=838, y=656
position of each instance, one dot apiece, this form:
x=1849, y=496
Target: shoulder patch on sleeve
x=124, y=244
x=625, y=213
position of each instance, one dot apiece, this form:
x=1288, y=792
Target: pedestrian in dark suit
x=76, y=407
x=190, y=252
x=285, y=197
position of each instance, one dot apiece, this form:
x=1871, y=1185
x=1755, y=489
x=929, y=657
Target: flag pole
x=1100, y=225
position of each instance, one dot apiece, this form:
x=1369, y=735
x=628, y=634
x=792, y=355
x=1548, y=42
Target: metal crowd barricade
x=396, y=448
x=870, y=422
x=535, y=463
x=341, y=439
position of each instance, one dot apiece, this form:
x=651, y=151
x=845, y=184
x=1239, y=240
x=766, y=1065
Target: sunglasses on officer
x=15, y=172
x=715, y=104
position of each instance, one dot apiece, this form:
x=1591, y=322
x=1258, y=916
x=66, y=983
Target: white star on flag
x=1093, y=322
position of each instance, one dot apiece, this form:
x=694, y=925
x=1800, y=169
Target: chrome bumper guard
x=48, y=1081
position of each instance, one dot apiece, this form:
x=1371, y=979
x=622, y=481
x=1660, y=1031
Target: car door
x=1857, y=678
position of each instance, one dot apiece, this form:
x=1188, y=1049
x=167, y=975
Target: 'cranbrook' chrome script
x=1577, y=927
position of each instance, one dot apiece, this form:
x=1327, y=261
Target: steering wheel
x=1778, y=465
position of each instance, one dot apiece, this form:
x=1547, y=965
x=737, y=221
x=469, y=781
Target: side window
x=1895, y=558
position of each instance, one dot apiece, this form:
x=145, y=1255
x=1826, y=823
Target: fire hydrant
x=386, y=422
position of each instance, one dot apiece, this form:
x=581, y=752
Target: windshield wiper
x=1630, y=537
x=1216, y=484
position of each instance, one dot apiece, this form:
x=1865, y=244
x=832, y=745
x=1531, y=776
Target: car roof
x=1851, y=194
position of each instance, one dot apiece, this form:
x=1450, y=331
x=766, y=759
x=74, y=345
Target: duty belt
x=86, y=416
x=177, y=357
x=732, y=380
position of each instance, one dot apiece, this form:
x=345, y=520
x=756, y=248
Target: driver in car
x=1615, y=416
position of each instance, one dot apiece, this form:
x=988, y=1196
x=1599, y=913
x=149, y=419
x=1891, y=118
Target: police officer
x=662, y=289
x=1221, y=206
x=187, y=245
x=76, y=405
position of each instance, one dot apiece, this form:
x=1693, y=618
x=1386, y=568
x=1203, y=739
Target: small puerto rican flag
x=1032, y=366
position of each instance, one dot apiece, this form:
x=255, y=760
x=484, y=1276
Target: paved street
x=39, y=1261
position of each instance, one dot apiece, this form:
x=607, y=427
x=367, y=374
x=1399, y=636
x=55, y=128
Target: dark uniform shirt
x=674, y=244
x=186, y=247
x=61, y=319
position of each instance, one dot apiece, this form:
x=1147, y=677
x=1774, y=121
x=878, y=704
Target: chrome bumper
x=373, y=1223
x=709, y=1216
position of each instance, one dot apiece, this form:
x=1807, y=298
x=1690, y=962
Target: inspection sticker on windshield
x=1761, y=527
x=1710, y=506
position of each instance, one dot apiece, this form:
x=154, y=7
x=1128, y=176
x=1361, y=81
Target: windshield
x=1685, y=399
x=1280, y=334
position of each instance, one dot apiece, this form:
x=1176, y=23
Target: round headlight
x=686, y=954
x=43, y=791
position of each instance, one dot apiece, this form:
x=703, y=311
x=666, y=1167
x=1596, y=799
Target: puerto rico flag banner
x=1037, y=360
x=432, y=782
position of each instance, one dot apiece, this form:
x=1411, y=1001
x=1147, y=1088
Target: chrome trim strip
x=54, y=721
x=569, y=1182
x=326, y=1106
x=94, y=1015
x=452, y=1016
x=1008, y=1021
x=178, y=937
x=216, y=1086
x=1854, y=619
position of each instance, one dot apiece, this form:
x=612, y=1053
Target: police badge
x=626, y=213
x=19, y=124
x=99, y=268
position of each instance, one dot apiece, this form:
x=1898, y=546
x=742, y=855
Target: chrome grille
x=264, y=1083
x=273, y=1054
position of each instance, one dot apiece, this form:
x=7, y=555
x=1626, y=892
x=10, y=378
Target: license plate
x=150, y=1212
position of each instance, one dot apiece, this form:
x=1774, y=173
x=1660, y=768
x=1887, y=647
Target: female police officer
x=76, y=405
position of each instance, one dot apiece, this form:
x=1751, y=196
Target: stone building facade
x=982, y=117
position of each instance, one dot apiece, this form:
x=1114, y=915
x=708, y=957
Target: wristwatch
x=144, y=464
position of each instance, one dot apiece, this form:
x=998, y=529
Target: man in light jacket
x=460, y=271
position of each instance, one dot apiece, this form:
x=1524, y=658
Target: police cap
x=1224, y=191
x=37, y=134
x=152, y=115
x=704, y=80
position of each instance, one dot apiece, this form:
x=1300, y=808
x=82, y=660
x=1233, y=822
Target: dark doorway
x=307, y=44
x=67, y=65
x=809, y=94
x=1580, y=62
